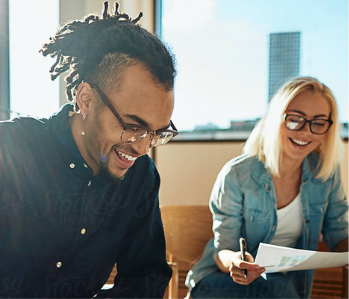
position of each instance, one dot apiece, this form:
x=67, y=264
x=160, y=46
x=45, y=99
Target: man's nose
x=142, y=147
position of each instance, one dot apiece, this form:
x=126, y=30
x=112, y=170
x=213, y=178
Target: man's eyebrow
x=137, y=119
x=302, y=113
x=142, y=122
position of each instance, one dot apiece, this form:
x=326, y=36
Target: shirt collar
x=259, y=172
x=61, y=130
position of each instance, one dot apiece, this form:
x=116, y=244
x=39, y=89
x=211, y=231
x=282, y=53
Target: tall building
x=284, y=56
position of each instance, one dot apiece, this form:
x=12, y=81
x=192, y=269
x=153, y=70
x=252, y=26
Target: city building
x=284, y=58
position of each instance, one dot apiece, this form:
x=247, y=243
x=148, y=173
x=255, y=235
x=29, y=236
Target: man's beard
x=103, y=158
x=105, y=172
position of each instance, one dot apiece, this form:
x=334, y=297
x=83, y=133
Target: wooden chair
x=189, y=228
x=187, y=231
x=328, y=282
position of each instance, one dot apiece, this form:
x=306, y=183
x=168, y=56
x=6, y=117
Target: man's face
x=139, y=101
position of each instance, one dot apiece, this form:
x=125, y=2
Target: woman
x=285, y=190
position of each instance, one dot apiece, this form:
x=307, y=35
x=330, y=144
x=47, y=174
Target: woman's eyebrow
x=297, y=111
x=302, y=113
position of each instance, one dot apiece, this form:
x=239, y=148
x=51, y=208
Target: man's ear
x=84, y=96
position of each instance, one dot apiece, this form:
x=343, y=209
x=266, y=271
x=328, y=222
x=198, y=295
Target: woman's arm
x=226, y=203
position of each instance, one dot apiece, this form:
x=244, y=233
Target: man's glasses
x=135, y=133
x=317, y=126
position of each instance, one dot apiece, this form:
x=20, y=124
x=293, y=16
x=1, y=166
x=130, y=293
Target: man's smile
x=123, y=160
x=126, y=156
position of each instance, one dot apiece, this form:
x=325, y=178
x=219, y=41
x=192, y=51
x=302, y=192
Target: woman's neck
x=290, y=168
x=287, y=183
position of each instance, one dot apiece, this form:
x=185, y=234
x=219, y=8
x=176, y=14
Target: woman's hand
x=229, y=261
x=237, y=266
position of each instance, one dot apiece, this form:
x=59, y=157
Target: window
x=31, y=23
x=233, y=54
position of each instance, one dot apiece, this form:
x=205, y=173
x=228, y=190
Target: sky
x=222, y=51
x=31, y=90
x=221, y=48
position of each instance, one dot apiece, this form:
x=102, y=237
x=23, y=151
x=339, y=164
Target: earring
x=83, y=116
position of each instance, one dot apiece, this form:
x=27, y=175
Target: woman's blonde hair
x=265, y=141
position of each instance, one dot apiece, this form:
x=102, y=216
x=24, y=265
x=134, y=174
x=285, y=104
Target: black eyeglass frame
x=310, y=123
x=126, y=126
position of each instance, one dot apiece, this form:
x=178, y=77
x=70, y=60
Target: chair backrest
x=187, y=230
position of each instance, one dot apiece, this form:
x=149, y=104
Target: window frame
x=158, y=31
x=4, y=61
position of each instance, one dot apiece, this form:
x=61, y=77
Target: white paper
x=282, y=259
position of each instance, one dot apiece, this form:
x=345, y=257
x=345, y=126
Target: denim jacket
x=243, y=204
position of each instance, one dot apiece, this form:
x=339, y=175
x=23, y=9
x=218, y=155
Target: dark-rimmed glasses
x=135, y=133
x=317, y=126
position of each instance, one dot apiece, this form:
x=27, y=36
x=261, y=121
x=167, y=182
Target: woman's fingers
x=253, y=272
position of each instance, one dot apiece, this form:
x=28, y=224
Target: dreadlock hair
x=97, y=50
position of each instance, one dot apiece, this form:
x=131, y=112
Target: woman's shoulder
x=242, y=167
x=244, y=161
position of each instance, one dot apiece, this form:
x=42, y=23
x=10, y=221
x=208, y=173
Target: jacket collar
x=262, y=175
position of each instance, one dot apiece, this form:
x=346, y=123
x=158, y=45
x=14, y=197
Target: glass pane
x=31, y=90
x=227, y=56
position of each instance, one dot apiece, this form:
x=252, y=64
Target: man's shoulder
x=144, y=164
x=20, y=123
x=145, y=161
x=35, y=130
x=21, y=129
x=142, y=171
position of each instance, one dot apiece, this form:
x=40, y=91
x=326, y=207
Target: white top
x=290, y=224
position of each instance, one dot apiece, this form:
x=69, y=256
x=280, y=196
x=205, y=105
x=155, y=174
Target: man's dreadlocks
x=97, y=49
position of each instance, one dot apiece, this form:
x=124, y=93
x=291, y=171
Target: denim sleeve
x=335, y=226
x=226, y=206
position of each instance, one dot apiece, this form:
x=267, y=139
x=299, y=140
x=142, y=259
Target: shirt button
x=72, y=165
x=85, y=165
x=83, y=231
x=59, y=264
x=89, y=183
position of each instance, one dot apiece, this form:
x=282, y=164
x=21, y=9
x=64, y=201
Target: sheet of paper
x=281, y=259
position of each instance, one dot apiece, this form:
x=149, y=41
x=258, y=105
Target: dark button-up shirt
x=63, y=229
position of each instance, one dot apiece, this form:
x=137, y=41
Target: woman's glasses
x=317, y=126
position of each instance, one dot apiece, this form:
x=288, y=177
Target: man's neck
x=76, y=125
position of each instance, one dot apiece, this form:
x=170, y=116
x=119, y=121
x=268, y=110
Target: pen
x=243, y=253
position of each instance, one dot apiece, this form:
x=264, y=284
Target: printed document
x=282, y=259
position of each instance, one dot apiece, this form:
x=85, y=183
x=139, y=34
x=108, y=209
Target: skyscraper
x=284, y=56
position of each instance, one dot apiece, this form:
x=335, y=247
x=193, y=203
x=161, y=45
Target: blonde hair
x=264, y=141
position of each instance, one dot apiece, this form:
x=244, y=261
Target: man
x=78, y=192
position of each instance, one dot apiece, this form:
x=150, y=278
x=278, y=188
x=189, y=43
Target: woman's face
x=296, y=145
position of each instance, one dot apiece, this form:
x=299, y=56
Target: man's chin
x=119, y=176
